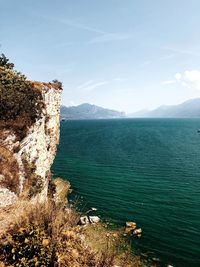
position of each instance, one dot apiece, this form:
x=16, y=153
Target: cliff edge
x=26, y=159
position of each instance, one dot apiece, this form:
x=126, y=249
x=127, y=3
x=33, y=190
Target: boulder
x=85, y=220
x=132, y=225
x=94, y=219
x=137, y=231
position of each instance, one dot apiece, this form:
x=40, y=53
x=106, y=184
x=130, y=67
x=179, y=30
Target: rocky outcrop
x=25, y=162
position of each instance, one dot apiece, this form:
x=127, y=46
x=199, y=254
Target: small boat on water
x=198, y=131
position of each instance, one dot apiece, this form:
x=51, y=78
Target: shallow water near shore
x=143, y=170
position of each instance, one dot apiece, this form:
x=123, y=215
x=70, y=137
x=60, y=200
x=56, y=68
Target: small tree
x=58, y=83
x=4, y=62
x=18, y=98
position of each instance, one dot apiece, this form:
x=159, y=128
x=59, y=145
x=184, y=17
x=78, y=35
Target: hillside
x=187, y=109
x=88, y=111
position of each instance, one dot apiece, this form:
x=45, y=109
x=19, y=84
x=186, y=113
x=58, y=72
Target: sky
x=126, y=55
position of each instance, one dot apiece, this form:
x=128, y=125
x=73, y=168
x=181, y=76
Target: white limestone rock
x=38, y=147
x=6, y=197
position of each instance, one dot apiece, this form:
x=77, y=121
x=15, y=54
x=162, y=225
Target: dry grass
x=39, y=235
x=111, y=244
x=19, y=125
x=9, y=170
x=49, y=235
x=40, y=85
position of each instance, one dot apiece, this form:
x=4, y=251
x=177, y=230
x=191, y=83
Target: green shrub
x=4, y=62
x=18, y=97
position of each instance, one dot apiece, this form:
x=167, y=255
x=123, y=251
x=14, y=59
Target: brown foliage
x=48, y=235
x=9, y=170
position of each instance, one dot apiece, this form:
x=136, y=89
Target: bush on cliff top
x=18, y=98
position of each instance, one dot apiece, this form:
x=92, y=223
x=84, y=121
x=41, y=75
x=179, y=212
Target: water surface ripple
x=145, y=170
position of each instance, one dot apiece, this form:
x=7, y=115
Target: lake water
x=143, y=170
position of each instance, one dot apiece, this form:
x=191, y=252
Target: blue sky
x=122, y=54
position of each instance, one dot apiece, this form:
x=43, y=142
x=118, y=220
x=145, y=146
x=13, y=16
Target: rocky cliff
x=25, y=162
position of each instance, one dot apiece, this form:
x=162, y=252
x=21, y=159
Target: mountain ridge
x=89, y=111
x=188, y=109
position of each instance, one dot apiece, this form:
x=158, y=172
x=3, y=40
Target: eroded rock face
x=25, y=164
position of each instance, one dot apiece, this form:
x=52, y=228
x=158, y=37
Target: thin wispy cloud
x=64, y=44
x=85, y=84
x=162, y=58
x=177, y=78
x=168, y=82
x=110, y=37
x=94, y=86
x=118, y=79
x=91, y=85
x=166, y=57
x=73, y=24
x=80, y=26
x=103, y=36
x=183, y=51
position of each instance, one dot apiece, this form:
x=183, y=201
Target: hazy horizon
x=129, y=113
x=122, y=55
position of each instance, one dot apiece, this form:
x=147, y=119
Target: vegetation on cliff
x=19, y=100
x=38, y=234
x=48, y=235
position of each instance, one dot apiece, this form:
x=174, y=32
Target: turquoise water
x=145, y=170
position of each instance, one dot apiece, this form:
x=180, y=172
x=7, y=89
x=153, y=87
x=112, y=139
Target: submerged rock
x=156, y=259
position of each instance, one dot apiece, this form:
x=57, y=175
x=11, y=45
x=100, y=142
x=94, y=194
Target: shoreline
x=149, y=258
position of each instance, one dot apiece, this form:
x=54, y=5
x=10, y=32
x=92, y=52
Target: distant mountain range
x=188, y=109
x=88, y=111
